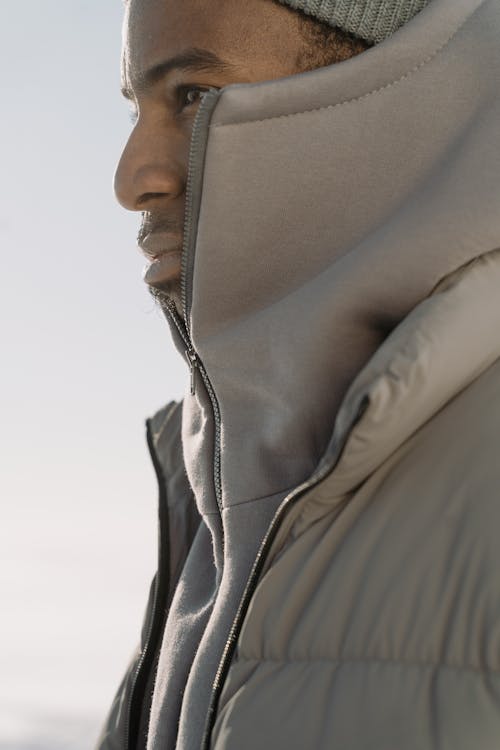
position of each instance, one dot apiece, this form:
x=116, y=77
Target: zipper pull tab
x=193, y=364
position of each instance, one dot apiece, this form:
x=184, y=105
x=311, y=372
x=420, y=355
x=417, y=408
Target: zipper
x=199, y=138
x=260, y=560
x=195, y=363
x=158, y=615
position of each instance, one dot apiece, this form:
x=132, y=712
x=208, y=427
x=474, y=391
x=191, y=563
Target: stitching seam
x=383, y=662
x=404, y=77
x=263, y=497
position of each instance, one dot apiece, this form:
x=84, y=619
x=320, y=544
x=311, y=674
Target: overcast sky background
x=85, y=357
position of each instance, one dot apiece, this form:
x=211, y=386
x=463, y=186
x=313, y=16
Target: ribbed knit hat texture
x=372, y=20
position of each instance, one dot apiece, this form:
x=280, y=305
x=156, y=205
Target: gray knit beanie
x=372, y=20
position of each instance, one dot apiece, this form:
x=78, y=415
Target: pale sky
x=85, y=358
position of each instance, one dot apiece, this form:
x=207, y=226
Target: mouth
x=163, y=252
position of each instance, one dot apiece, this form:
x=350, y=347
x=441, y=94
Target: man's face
x=173, y=51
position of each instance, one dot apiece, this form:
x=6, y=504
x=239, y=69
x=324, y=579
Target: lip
x=157, y=244
x=163, y=250
x=164, y=269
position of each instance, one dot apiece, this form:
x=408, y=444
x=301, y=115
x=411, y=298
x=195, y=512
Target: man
x=323, y=239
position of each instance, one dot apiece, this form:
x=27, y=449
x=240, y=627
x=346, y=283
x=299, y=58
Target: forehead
x=155, y=28
x=259, y=36
x=151, y=25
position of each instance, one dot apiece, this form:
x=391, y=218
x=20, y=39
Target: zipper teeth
x=174, y=317
x=153, y=618
x=196, y=362
x=198, y=136
x=138, y=668
x=229, y=648
x=198, y=139
x=285, y=507
x=217, y=446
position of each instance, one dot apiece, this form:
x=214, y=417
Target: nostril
x=147, y=197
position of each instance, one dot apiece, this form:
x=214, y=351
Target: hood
x=322, y=208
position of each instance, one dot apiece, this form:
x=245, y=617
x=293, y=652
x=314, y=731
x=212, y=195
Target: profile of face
x=173, y=52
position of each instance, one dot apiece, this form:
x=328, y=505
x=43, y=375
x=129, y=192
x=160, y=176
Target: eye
x=191, y=95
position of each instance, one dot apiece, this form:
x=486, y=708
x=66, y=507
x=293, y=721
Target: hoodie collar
x=322, y=209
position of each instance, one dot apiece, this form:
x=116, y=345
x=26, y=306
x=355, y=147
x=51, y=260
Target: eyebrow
x=194, y=60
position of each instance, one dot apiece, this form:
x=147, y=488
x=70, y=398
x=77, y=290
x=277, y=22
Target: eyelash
x=181, y=95
x=183, y=91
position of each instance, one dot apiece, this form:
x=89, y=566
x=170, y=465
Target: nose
x=152, y=170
